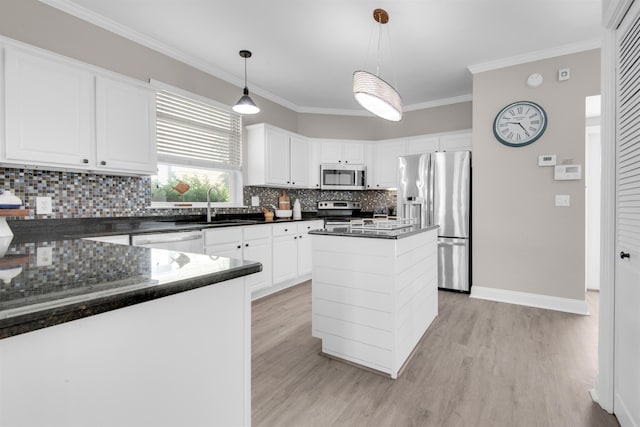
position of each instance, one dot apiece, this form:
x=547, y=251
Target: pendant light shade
x=372, y=93
x=245, y=104
x=377, y=96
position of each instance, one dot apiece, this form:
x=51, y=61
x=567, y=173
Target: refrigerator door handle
x=452, y=243
x=430, y=201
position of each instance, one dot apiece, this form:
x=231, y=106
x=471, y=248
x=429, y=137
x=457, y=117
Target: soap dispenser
x=297, y=212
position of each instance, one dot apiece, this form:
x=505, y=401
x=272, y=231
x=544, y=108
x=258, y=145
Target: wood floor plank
x=481, y=363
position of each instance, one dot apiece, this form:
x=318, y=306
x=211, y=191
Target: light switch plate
x=43, y=205
x=564, y=74
x=563, y=200
x=567, y=172
x=255, y=200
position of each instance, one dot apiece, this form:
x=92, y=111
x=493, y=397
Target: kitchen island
x=374, y=293
x=102, y=334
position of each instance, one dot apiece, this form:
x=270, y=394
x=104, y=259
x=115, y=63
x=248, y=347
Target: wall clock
x=520, y=123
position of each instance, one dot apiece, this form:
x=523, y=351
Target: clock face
x=520, y=123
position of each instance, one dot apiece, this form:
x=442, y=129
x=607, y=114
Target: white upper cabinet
x=456, y=141
x=342, y=152
x=453, y=141
x=277, y=157
x=63, y=114
x=423, y=144
x=125, y=122
x=300, y=158
x=385, y=163
x=49, y=111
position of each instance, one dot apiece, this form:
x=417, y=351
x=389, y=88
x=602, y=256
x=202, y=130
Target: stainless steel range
x=338, y=212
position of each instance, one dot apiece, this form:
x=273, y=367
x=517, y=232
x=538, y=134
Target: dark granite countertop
x=46, y=229
x=48, y=282
x=347, y=231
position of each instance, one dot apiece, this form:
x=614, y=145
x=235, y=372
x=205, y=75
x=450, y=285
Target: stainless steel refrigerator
x=435, y=188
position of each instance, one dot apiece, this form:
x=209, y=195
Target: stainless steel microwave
x=338, y=176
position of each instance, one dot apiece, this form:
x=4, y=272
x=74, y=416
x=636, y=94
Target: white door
x=385, y=158
x=278, y=158
x=354, y=153
x=627, y=268
x=300, y=155
x=260, y=251
x=49, y=111
x=285, y=258
x=331, y=152
x=125, y=126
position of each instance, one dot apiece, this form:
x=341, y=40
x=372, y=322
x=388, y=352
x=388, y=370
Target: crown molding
x=363, y=113
x=96, y=19
x=535, y=56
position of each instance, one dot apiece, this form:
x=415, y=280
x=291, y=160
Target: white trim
x=567, y=305
x=622, y=413
x=604, y=379
x=414, y=107
x=94, y=18
x=535, y=56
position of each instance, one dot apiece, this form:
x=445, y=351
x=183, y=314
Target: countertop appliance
x=338, y=212
x=435, y=189
x=342, y=176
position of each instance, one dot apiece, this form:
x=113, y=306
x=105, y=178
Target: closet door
x=627, y=268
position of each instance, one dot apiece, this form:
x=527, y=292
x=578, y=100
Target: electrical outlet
x=43, y=205
x=563, y=200
x=255, y=200
x=44, y=256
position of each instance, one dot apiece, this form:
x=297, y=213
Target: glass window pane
x=188, y=184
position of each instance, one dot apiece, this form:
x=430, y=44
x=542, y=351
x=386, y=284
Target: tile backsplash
x=88, y=195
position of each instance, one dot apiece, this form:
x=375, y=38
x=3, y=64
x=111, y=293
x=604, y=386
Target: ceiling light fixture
x=373, y=93
x=245, y=105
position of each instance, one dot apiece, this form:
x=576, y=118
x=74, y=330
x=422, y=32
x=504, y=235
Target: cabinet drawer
x=284, y=229
x=306, y=226
x=227, y=235
x=254, y=232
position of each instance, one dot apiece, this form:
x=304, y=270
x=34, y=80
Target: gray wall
x=40, y=25
x=522, y=242
x=432, y=120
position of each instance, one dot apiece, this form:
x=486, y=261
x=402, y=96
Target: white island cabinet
x=374, y=294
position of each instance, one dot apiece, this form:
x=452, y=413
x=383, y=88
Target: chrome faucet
x=209, y=215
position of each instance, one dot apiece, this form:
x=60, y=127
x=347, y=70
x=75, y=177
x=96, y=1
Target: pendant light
x=372, y=93
x=245, y=105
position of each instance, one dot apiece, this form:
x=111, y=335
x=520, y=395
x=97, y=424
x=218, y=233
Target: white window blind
x=194, y=133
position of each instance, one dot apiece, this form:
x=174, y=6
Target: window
x=199, y=147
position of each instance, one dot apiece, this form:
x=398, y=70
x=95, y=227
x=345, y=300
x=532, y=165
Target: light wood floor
x=481, y=363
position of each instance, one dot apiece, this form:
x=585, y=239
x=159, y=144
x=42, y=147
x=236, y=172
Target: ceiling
x=305, y=52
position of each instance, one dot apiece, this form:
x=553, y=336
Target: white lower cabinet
x=285, y=252
x=283, y=249
x=251, y=243
x=225, y=242
x=304, y=246
x=256, y=246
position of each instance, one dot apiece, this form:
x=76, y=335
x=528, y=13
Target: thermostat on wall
x=568, y=172
x=547, y=160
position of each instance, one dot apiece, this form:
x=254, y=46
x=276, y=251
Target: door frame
x=603, y=391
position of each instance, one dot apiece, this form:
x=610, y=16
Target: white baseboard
x=532, y=300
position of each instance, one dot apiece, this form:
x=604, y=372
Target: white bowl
x=284, y=213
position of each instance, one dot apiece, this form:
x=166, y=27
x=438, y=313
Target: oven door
x=342, y=177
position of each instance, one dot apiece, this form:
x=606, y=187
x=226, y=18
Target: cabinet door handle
x=103, y=163
x=85, y=160
x=246, y=245
x=239, y=246
x=288, y=182
x=294, y=183
x=286, y=229
x=295, y=237
x=624, y=255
